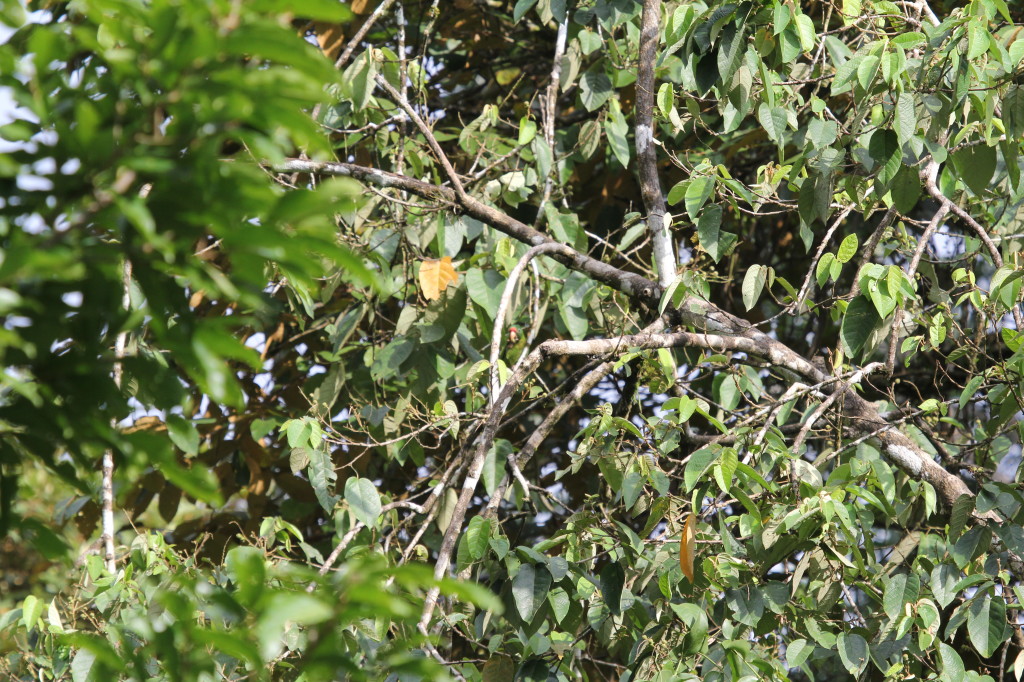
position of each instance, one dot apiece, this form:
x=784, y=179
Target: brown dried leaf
x=435, y=276
x=687, y=546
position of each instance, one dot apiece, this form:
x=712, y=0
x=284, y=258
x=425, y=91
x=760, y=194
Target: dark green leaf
x=530, y=589
x=612, y=580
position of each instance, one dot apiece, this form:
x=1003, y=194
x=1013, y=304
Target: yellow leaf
x=686, y=546
x=435, y=276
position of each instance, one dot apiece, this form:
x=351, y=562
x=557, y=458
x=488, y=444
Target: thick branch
x=719, y=330
x=647, y=158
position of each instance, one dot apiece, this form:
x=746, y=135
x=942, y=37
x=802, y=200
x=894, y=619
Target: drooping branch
x=647, y=158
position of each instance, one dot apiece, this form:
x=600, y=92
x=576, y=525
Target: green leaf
x=364, y=500
x=774, y=121
x=31, y=612
x=701, y=187
x=478, y=537
x=560, y=603
x=699, y=462
x=726, y=391
x=986, y=624
x=822, y=272
x=82, y=666
x=822, y=133
x=283, y=608
x=753, y=284
x=977, y=39
x=527, y=131
x=612, y=580
x=360, y=79
x=666, y=99
x=797, y=652
x=494, y=464
x=183, y=434
x=958, y=515
x=858, y=323
x=976, y=165
x=1013, y=111
x=906, y=189
x=322, y=477
x=732, y=44
x=848, y=249
x=852, y=10
x=595, y=88
x=853, y=651
x=247, y=568
x=616, y=129
x=678, y=192
x=867, y=69
x=881, y=296
x=521, y=8
x=944, y=578
x=711, y=238
x=884, y=148
x=970, y=545
x=485, y=288
x=805, y=29
x=530, y=589
x=901, y=589
x=952, y=665
x=905, y=117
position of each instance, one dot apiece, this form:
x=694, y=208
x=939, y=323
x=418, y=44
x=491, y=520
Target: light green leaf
x=848, y=249
x=952, y=664
x=753, y=284
x=805, y=29
x=697, y=192
x=977, y=39
x=774, y=121
x=364, y=500
x=797, y=652
x=521, y=8
x=478, y=537
x=851, y=11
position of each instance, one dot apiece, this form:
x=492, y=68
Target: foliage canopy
x=497, y=340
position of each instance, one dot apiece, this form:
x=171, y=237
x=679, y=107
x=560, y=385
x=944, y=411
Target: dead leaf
x=435, y=276
x=687, y=546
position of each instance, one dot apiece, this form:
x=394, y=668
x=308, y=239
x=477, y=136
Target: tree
x=262, y=414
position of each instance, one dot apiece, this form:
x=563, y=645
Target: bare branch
x=720, y=330
x=506, y=297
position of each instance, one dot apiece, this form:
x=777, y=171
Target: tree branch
x=719, y=330
x=647, y=157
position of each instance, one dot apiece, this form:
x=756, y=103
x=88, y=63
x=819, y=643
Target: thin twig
x=346, y=54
